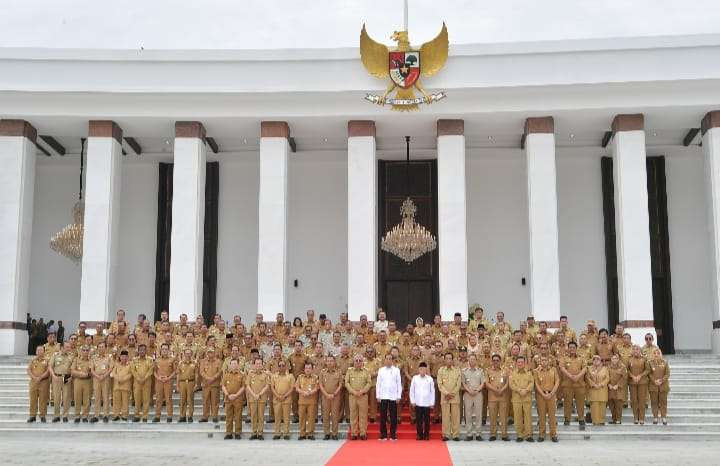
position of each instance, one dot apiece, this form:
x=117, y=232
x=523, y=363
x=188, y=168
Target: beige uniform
x=497, y=403
x=186, y=373
x=82, y=386
x=122, y=386
x=545, y=380
x=573, y=390
x=659, y=373
x=331, y=380
x=307, y=403
x=449, y=384
x=101, y=388
x=617, y=396
x=257, y=381
x=210, y=372
x=358, y=380
x=142, y=373
x=473, y=402
x=62, y=396
x=164, y=367
x=232, y=382
x=638, y=390
x=597, y=397
x=522, y=383
x=39, y=390
x=282, y=384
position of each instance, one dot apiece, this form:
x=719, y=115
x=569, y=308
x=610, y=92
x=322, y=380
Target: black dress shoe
x=105, y=419
x=260, y=437
x=156, y=420
x=566, y=423
x=554, y=439
x=190, y=419
x=215, y=420
x=286, y=437
x=56, y=419
x=581, y=422
x=456, y=439
x=311, y=437
x=168, y=419
x=253, y=437
x=84, y=419
x=530, y=439
x=354, y=437
x=182, y=419
x=301, y=437
x=479, y=438
x=444, y=439
x=77, y=420
x=116, y=418
x=65, y=419
x=203, y=419
x=541, y=439
x=228, y=437
x=144, y=420
x=492, y=438
x=505, y=439
x=31, y=419
x=93, y=420
x=238, y=436
x=136, y=419
x=276, y=437
x=334, y=437
x=363, y=437
x=469, y=438
x=327, y=437
x=417, y=437
x=43, y=420
x=519, y=439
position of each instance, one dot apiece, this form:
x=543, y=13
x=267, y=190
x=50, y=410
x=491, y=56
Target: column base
x=13, y=342
x=715, y=338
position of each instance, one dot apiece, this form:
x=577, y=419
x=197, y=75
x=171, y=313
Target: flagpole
x=405, y=15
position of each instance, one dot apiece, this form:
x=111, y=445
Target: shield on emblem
x=404, y=68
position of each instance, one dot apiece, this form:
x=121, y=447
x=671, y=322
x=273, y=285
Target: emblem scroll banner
x=417, y=100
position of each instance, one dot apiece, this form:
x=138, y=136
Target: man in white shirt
x=381, y=324
x=388, y=391
x=422, y=398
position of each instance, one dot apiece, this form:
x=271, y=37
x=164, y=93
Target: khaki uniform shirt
x=305, y=383
x=282, y=384
x=257, y=381
x=545, y=379
x=38, y=366
x=449, y=383
x=81, y=365
x=358, y=380
x=638, y=367
x=521, y=379
x=659, y=371
x=142, y=369
x=61, y=362
x=102, y=364
x=297, y=363
x=331, y=379
x=617, y=376
x=573, y=365
x=165, y=366
x=496, y=378
x=232, y=382
x=473, y=378
x=122, y=374
x=186, y=371
x=210, y=369
x=600, y=377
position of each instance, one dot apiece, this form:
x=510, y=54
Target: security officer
x=357, y=384
x=233, y=386
x=257, y=385
x=187, y=371
x=282, y=385
x=122, y=377
x=39, y=384
x=547, y=383
x=307, y=386
x=573, y=369
x=80, y=371
x=210, y=374
x=100, y=370
x=473, y=382
x=142, y=372
x=60, y=363
x=164, y=373
x=449, y=383
x=522, y=384
x=497, y=385
x=331, y=387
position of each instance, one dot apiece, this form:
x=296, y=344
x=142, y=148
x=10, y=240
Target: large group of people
x=480, y=372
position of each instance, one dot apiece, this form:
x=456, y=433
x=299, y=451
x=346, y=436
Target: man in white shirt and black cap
x=388, y=391
x=422, y=397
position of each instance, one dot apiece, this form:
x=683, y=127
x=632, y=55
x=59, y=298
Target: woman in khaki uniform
x=617, y=388
x=597, y=379
x=638, y=370
x=39, y=385
x=659, y=385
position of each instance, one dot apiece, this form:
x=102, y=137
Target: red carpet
x=406, y=450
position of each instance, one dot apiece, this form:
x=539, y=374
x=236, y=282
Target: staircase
x=693, y=410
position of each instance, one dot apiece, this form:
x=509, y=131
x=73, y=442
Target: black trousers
x=422, y=421
x=385, y=406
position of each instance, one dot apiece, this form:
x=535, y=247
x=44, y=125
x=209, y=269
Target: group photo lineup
x=360, y=233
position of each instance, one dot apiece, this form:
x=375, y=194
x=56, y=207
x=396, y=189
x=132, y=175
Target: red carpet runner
x=405, y=451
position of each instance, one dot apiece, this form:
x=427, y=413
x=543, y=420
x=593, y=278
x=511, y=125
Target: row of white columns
x=17, y=170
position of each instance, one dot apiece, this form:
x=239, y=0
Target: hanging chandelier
x=69, y=241
x=408, y=240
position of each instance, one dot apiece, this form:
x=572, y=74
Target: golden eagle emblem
x=404, y=65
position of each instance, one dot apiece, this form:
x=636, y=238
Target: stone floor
x=98, y=449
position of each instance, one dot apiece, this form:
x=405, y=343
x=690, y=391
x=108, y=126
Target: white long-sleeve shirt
x=389, y=384
x=422, y=391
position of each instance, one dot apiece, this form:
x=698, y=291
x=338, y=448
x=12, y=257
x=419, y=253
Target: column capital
x=361, y=128
x=709, y=121
x=105, y=129
x=274, y=129
x=450, y=128
x=18, y=128
x=628, y=122
x=189, y=129
x=539, y=125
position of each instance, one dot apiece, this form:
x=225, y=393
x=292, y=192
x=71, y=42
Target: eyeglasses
x=648, y=338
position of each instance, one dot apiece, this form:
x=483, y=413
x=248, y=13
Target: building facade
x=574, y=178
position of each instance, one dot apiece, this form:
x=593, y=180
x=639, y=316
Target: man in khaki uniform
x=210, y=374
x=233, y=386
x=411, y=368
x=142, y=373
x=282, y=385
x=60, y=364
x=372, y=364
x=522, y=384
x=121, y=375
x=497, y=385
x=547, y=382
x=297, y=359
x=307, y=386
x=449, y=382
x=573, y=369
x=39, y=384
x=187, y=371
x=331, y=384
x=257, y=384
x=357, y=384
x=100, y=369
x=164, y=373
x=82, y=384
x=473, y=382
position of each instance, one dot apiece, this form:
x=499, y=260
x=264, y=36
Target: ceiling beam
x=133, y=145
x=293, y=146
x=690, y=136
x=54, y=144
x=213, y=145
x=606, y=138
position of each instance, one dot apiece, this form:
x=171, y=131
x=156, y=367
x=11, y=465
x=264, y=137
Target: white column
x=17, y=184
x=272, y=217
x=362, y=220
x=452, y=227
x=187, y=238
x=542, y=219
x=102, y=209
x=711, y=147
x=632, y=226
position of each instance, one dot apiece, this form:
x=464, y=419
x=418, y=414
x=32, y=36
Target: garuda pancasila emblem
x=404, y=65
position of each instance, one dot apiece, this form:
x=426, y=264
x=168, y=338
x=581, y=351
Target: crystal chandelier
x=69, y=240
x=408, y=240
